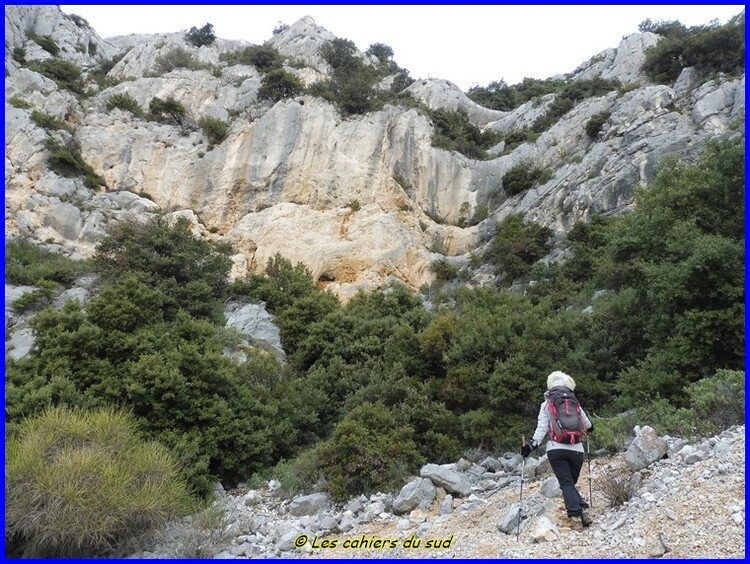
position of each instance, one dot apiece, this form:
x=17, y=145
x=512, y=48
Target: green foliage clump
x=279, y=84
x=710, y=49
x=84, y=484
x=517, y=246
x=126, y=102
x=455, y=132
x=167, y=110
x=38, y=298
x=368, y=453
x=443, y=270
x=27, y=264
x=200, y=37
x=65, y=74
x=46, y=121
x=570, y=95
x=66, y=160
x=594, y=125
x=191, y=273
x=215, y=129
x=719, y=400
x=45, y=42
x=177, y=58
x=19, y=55
x=263, y=57
x=497, y=95
x=524, y=176
x=519, y=136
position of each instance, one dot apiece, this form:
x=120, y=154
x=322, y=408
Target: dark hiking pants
x=566, y=464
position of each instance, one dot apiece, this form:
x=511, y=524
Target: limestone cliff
x=357, y=198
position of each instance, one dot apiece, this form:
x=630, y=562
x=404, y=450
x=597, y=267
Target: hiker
x=564, y=425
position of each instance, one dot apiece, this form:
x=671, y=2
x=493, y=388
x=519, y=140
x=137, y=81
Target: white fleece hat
x=558, y=378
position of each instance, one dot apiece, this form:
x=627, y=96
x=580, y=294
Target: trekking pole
x=588, y=456
x=523, y=464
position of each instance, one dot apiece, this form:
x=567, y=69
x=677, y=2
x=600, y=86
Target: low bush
x=19, y=55
x=616, y=488
x=517, y=246
x=177, y=58
x=214, y=129
x=524, y=176
x=719, y=400
x=570, y=95
x=65, y=74
x=594, y=125
x=368, y=453
x=46, y=121
x=167, y=110
x=126, y=102
x=455, y=132
x=66, y=160
x=27, y=264
x=262, y=57
x=45, y=42
x=83, y=484
x=443, y=270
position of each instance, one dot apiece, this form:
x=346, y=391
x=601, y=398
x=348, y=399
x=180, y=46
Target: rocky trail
x=688, y=504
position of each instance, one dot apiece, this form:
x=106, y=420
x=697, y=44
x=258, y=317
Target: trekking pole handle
x=523, y=440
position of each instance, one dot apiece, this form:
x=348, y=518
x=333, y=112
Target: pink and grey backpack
x=566, y=423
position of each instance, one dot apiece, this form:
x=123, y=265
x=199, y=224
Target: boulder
x=413, y=494
x=447, y=478
x=508, y=521
x=646, y=448
x=310, y=504
x=544, y=530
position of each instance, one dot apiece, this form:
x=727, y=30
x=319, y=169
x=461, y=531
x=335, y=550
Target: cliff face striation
x=359, y=199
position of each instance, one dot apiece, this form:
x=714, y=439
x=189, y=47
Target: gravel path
x=679, y=511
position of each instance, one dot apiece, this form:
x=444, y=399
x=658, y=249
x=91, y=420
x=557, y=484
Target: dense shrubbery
x=83, y=484
x=374, y=387
x=517, y=246
x=454, y=132
x=569, y=96
x=499, y=96
x=45, y=42
x=278, y=84
x=524, y=176
x=262, y=57
x=710, y=49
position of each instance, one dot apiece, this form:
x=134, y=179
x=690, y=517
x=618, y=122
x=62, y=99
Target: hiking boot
x=585, y=519
x=573, y=523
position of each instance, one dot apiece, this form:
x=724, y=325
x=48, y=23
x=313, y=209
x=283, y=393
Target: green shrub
x=617, y=488
x=594, y=125
x=517, y=246
x=167, y=110
x=519, y=136
x=215, y=129
x=570, y=95
x=202, y=36
x=279, y=84
x=710, y=49
x=524, y=176
x=263, y=57
x=83, y=484
x=67, y=161
x=719, y=400
x=65, y=74
x=443, y=270
x=126, y=102
x=17, y=102
x=369, y=453
x=38, y=298
x=455, y=132
x=46, y=121
x=177, y=58
x=45, y=42
x=27, y=264
x=19, y=55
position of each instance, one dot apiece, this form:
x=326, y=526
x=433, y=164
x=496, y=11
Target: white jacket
x=543, y=428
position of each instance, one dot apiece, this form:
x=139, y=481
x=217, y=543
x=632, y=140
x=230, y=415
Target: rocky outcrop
x=360, y=200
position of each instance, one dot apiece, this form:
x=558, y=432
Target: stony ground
x=695, y=511
x=684, y=506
